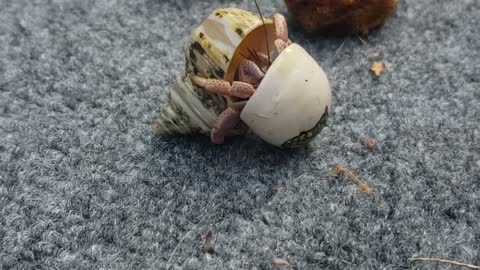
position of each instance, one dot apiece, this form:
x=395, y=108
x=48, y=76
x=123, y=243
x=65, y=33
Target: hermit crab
x=243, y=72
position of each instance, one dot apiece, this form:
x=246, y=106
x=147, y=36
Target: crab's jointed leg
x=239, y=105
x=222, y=87
x=280, y=45
x=262, y=60
x=281, y=31
x=224, y=125
x=250, y=73
x=228, y=122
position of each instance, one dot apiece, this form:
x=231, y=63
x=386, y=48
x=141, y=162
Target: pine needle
x=338, y=170
x=279, y=263
x=188, y=233
x=339, y=48
x=471, y=266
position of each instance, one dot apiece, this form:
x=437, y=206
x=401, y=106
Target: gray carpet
x=85, y=185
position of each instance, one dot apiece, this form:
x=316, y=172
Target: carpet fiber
x=85, y=185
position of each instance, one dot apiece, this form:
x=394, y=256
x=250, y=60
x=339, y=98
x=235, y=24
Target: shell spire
x=214, y=50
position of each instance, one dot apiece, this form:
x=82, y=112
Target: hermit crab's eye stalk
x=265, y=28
x=285, y=102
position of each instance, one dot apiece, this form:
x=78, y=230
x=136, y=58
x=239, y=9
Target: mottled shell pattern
x=209, y=54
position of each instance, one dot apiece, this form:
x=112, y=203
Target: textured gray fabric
x=85, y=185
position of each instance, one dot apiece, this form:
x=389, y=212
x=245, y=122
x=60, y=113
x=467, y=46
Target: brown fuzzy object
x=341, y=16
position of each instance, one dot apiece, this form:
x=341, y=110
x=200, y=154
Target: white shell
x=291, y=99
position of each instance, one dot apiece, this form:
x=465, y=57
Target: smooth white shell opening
x=291, y=98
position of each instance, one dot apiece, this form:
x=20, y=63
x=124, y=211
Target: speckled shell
x=210, y=53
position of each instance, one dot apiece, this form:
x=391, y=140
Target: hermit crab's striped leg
x=249, y=75
x=224, y=125
x=228, y=123
x=229, y=119
x=249, y=72
x=281, y=31
x=222, y=87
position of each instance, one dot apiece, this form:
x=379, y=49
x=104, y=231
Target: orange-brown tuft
x=341, y=16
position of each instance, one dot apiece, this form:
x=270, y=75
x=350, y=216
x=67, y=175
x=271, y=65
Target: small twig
x=185, y=236
x=339, y=48
x=361, y=184
x=363, y=41
x=265, y=29
x=471, y=266
x=207, y=244
x=338, y=170
x=279, y=263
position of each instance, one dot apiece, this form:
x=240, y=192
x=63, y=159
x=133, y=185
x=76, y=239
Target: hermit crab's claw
x=281, y=32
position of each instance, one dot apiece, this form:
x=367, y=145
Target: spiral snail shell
x=288, y=106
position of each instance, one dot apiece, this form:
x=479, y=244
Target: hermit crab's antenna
x=264, y=28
